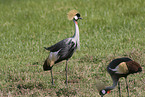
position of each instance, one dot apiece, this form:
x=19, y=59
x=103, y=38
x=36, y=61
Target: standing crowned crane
x=120, y=67
x=64, y=49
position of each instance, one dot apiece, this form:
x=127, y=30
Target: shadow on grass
x=66, y=92
x=35, y=63
x=31, y=85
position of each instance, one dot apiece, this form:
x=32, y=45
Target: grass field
x=109, y=29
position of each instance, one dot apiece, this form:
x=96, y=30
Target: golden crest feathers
x=100, y=86
x=71, y=14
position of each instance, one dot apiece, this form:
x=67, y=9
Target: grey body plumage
x=117, y=68
x=67, y=47
x=64, y=49
x=115, y=63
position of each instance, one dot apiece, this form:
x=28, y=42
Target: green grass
x=109, y=29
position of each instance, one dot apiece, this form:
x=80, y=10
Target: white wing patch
x=121, y=68
x=116, y=69
x=53, y=56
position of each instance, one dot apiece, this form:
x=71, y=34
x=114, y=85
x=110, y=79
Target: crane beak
x=80, y=18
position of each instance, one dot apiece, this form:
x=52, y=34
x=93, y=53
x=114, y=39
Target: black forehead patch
x=78, y=15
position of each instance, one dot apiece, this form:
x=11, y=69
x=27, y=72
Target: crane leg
x=119, y=89
x=52, y=78
x=127, y=86
x=66, y=68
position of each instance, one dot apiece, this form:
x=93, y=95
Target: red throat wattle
x=108, y=91
x=76, y=22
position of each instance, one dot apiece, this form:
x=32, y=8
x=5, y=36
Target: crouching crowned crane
x=64, y=49
x=120, y=67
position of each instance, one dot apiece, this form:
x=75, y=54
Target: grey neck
x=115, y=81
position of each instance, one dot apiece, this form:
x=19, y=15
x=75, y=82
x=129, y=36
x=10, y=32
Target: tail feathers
x=133, y=67
x=46, y=66
x=139, y=69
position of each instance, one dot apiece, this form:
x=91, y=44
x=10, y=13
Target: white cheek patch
x=103, y=91
x=75, y=17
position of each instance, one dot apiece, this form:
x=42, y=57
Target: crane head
x=101, y=88
x=77, y=16
x=104, y=91
x=73, y=15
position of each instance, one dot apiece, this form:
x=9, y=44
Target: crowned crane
x=120, y=67
x=64, y=49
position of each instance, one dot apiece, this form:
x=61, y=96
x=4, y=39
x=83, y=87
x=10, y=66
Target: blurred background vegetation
x=109, y=29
